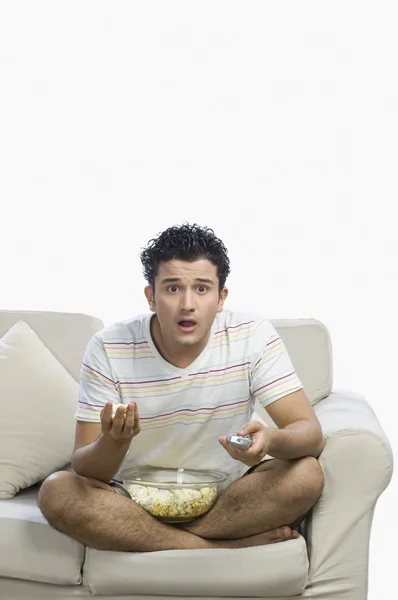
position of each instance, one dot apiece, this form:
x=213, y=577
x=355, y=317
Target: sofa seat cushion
x=31, y=549
x=276, y=570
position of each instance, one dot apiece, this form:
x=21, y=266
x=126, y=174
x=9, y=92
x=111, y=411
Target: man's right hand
x=119, y=428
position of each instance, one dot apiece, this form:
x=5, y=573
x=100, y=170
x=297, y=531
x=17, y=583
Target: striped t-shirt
x=183, y=412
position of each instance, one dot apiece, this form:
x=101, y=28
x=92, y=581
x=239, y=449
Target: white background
x=275, y=123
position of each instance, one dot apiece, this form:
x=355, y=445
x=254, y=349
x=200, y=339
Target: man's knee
x=57, y=492
x=309, y=479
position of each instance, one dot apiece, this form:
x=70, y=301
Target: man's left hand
x=261, y=443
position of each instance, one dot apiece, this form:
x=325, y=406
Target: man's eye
x=202, y=288
x=173, y=288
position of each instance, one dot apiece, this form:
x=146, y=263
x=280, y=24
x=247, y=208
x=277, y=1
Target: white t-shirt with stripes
x=183, y=412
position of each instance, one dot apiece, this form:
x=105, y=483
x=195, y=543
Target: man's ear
x=223, y=297
x=148, y=291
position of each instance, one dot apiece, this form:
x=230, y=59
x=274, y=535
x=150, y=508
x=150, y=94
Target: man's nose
x=188, y=301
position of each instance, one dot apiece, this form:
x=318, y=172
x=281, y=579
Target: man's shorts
x=119, y=488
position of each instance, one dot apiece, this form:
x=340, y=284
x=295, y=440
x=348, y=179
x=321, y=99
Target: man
x=189, y=374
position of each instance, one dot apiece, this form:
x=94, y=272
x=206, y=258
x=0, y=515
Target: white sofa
x=329, y=561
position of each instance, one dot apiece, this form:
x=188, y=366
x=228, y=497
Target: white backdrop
x=275, y=123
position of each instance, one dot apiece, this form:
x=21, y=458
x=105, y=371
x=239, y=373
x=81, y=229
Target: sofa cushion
x=66, y=335
x=31, y=549
x=310, y=348
x=276, y=570
x=38, y=399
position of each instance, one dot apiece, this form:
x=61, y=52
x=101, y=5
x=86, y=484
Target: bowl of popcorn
x=173, y=495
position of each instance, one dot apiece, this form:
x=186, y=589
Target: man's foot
x=280, y=534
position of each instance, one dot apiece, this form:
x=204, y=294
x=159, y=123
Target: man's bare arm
x=101, y=459
x=101, y=447
x=299, y=432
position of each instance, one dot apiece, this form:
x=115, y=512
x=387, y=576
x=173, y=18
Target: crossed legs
x=255, y=510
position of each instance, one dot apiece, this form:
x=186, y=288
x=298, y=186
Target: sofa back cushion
x=64, y=334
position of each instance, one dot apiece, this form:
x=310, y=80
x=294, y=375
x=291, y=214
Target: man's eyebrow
x=204, y=280
x=177, y=280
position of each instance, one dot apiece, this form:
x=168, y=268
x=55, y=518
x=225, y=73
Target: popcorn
x=173, y=502
x=115, y=406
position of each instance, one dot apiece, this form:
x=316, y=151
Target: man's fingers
x=247, y=457
x=132, y=425
x=249, y=428
x=118, y=419
x=234, y=452
x=106, y=416
x=107, y=410
x=124, y=424
x=137, y=424
x=129, y=415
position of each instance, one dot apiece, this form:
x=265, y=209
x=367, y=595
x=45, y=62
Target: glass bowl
x=173, y=495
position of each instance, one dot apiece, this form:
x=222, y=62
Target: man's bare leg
x=92, y=513
x=275, y=494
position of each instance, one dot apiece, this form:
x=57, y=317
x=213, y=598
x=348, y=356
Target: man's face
x=186, y=301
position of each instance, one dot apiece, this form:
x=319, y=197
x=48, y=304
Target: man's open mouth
x=187, y=325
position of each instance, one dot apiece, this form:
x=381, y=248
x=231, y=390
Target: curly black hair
x=185, y=242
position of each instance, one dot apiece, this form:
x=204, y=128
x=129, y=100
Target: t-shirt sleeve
x=97, y=386
x=272, y=373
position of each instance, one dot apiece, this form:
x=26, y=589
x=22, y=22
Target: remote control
x=240, y=441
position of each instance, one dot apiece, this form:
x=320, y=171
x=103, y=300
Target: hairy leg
x=92, y=513
x=276, y=493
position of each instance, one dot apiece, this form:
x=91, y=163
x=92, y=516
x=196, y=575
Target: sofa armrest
x=357, y=462
x=344, y=411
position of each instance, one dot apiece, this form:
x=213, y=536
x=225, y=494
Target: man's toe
x=280, y=533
